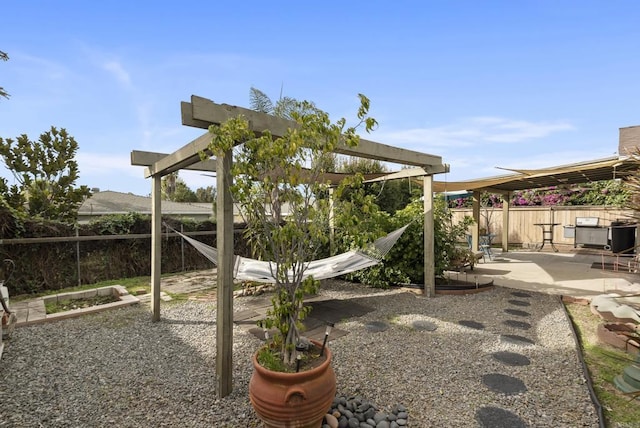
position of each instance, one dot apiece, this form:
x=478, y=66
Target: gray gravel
x=120, y=369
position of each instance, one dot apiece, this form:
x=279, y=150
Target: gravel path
x=120, y=369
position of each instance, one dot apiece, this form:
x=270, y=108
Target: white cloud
x=118, y=71
x=472, y=132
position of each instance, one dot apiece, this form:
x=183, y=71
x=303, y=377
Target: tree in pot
x=279, y=186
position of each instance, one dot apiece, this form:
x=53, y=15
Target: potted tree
x=279, y=187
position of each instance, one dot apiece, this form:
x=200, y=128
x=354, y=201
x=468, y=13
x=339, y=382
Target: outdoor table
x=547, y=234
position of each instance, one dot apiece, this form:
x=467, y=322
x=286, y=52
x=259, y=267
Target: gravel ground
x=120, y=369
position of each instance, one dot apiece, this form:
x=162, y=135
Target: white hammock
x=247, y=269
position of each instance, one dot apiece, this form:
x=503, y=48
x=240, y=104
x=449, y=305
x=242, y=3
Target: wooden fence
x=522, y=220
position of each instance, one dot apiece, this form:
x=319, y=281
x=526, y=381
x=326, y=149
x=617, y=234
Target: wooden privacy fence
x=522, y=220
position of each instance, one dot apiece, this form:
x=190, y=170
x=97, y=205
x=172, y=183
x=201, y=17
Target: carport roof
x=577, y=173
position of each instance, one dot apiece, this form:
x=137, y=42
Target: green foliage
x=268, y=357
x=277, y=183
x=3, y=57
x=285, y=107
x=359, y=220
x=46, y=266
x=120, y=224
x=206, y=194
x=391, y=195
x=47, y=172
x=11, y=220
x=173, y=188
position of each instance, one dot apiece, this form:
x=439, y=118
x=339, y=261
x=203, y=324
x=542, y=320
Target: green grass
x=604, y=363
x=69, y=304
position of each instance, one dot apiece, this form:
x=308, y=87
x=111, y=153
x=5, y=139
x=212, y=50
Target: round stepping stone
x=376, y=326
x=517, y=312
x=514, y=339
x=424, y=325
x=519, y=303
x=495, y=417
x=471, y=324
x=504, y=384
x=511, y=358
x=520, y=294
x=517, y=324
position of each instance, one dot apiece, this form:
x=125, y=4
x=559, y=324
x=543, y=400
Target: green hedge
x=53, y=266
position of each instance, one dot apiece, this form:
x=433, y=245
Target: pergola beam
x=142, y=158
x=204, y=111
x=187, y=155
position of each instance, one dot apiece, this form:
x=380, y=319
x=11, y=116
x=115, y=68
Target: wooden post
x=429, y=260
x=505, y=222
x=156, y=239
x=475, y=228
x=332, y=234
x=78, y=255
x=224, y=320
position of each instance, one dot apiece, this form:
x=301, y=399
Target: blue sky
x=481, y=83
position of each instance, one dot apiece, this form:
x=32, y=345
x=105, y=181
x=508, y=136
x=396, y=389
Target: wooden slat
x=142, y=158
x=188, y=154
x=206, y=111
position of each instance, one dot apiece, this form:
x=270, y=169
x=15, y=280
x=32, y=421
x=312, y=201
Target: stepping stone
x=376, y=326
x=517, y=312
x=517, y=324
x=511, y=358
x=519, y=303
x=504, y=384
x=520, y=294
x=421, y=325
x=471, y=324
x=514, y=339
x=495, y=417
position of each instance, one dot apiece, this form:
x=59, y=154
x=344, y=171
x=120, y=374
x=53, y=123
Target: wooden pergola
x=201, y=113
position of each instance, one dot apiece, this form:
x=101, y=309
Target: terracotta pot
x=287, y=400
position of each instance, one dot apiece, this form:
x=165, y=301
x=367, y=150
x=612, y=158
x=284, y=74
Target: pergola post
x=332, y=233
x=156, y=240
x=429, y=262
x=224, y=320
x=505, y=222
x=475, y=228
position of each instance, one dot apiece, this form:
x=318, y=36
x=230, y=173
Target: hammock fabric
x=247, y=269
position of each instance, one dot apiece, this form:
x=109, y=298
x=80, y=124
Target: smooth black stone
x=520, y=294
x=517, y=312
x=504, y=384
x=424, y=325
x=516, y=340
x=495, y=417
x=471, y=324
x=511, y=358
x=519, y=302
x=517, y=324
x=377, y=326
x=370, y=413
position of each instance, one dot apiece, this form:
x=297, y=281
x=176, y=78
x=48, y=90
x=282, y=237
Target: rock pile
x=356, y=412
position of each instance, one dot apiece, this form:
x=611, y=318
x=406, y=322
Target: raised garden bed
x=623, y=336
